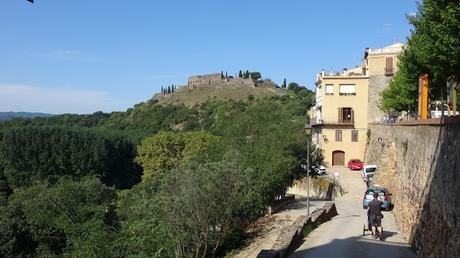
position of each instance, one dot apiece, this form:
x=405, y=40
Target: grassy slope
x=190, y=96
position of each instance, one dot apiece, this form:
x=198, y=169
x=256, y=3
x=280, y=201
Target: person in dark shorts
x=374, y=212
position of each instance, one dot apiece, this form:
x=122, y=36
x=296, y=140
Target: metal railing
x=326, y=121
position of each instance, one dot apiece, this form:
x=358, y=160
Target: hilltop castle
x=219, y=78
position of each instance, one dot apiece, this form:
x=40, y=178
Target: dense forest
x=154, y=181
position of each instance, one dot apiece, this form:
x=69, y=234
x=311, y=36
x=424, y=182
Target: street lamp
x=308, y=130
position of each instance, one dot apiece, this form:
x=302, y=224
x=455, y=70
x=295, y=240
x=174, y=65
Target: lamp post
x=308, y=130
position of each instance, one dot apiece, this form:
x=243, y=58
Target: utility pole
x=308, y=130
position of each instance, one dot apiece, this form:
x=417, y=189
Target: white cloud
x=17, y=97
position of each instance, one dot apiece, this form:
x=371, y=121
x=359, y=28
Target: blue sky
x=81, y=56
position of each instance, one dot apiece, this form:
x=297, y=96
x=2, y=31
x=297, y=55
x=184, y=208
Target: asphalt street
x=343, y=235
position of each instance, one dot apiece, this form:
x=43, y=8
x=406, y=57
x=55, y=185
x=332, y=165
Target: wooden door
x=338, y=158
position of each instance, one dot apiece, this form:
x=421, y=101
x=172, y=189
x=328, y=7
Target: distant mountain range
x=11, y=115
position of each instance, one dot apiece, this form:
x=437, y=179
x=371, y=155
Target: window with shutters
x=338, y=135
x=354, y=135
x=329, y=89
x=346, y=115
x=389, y=66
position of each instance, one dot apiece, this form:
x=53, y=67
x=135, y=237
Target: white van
x=368, y=170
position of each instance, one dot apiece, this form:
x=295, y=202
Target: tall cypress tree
x=240, y=74
x=284, y=84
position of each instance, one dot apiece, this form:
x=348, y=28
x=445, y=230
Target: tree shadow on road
x=362, y=247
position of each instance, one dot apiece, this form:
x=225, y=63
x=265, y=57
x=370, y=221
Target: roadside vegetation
x=154, y=181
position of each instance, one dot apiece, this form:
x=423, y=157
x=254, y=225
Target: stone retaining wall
x=321, y=188
x=420, y=164
x=291, y=236
x=280, y=204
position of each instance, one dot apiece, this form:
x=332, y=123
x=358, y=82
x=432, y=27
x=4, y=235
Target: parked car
x=384, y=196
x=355, y=164
x=317, y=170
x=322, y=170
x=368, y=171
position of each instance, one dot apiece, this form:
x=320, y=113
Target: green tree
x=45, y=154
x=284, y=84
x=246, y=75
x=402, y=92
x=144, y=223
x=16, y=238
x=240, y=74
x=70, y=219
x=433, y=48
x=256, y=75
x=293, y=86
x=5, y=189
x=188, y=212
x=204, y=199
x=164, y=151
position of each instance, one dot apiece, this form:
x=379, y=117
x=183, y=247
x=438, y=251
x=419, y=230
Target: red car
x=355, y=164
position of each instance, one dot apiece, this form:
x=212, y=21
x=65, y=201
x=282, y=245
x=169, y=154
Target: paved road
x=342, y=236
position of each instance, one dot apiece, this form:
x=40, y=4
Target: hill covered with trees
x=154, y=181
x=12, y=115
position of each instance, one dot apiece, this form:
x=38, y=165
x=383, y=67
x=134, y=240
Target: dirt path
x=342, y=236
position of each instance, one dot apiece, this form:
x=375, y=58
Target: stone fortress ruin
x=206, y=78
x=219, y=78
x=218, y=81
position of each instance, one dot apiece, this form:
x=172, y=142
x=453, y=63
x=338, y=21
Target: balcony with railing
x=345, y=117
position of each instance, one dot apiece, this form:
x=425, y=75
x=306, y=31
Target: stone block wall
x=420, y=164
x=205, y=78
x=377, y=83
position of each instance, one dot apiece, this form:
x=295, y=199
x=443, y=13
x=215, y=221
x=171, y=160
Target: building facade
x=382, y=65
x=347, y=101
x=339, y=117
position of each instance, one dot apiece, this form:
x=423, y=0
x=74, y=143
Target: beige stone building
x=347, y=101
x=382, y=65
